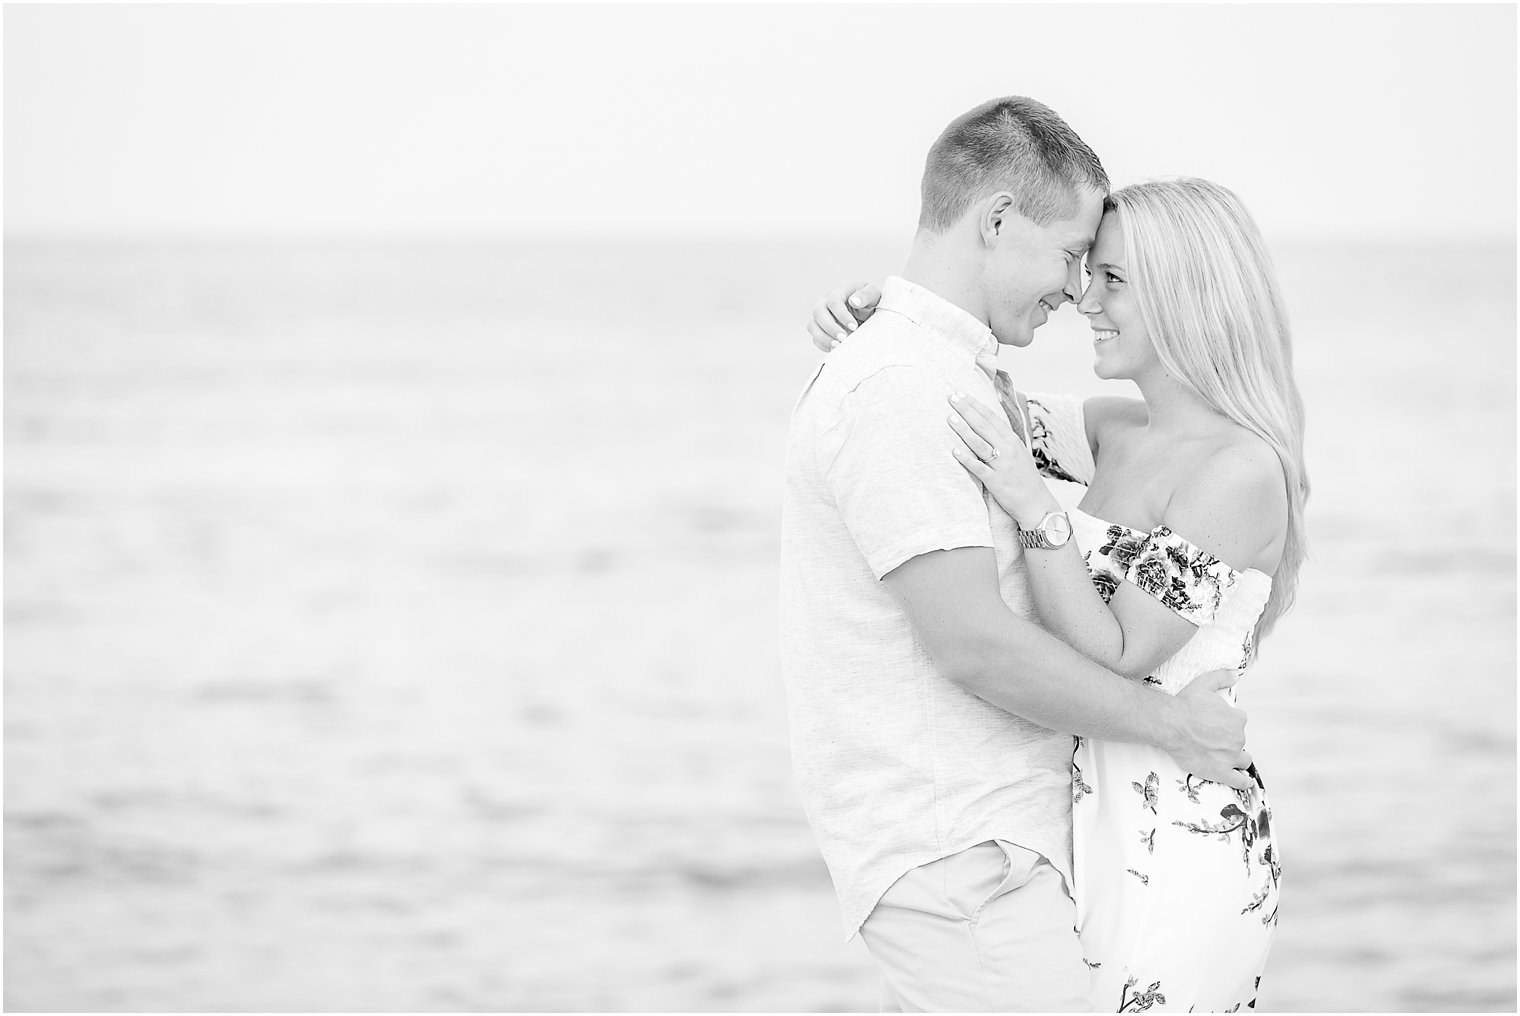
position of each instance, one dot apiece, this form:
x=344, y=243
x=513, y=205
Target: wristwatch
x=1052, y=532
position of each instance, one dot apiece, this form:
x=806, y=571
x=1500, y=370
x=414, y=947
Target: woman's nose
x=1088, y=304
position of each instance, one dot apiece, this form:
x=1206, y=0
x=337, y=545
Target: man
x=930, y=718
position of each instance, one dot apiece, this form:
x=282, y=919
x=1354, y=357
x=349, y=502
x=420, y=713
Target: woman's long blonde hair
x=1209, y=297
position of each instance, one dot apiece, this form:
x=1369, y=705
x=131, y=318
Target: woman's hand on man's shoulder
x=840, y=311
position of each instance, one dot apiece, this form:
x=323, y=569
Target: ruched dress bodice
x=1226, y=624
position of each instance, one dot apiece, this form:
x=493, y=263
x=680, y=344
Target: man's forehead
x=1078, y=236
x=1082, y=228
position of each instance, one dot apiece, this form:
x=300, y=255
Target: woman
x=1191, y=537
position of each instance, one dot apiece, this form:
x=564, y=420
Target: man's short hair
x=1014, y=144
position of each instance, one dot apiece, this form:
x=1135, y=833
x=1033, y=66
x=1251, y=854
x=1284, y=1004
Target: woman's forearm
x=1070, y=608
x=1068, y=604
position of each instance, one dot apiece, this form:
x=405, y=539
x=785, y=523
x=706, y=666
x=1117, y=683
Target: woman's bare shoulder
x=1243, y=460
x=1234, y=502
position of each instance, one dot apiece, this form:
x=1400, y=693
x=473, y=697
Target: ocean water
x=393, y=627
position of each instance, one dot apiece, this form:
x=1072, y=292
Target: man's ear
x=997, y=218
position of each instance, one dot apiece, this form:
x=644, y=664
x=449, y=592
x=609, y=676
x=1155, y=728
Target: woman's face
x=1120, y=340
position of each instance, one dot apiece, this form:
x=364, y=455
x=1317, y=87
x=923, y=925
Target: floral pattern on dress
x=1149, y=791
x=1079, y=787
x=1267, y=893
x=1107, y=564
x=1121, y=545
x=1251, y=818
x=1190, y=581
x=1141, y=1000
x=1189, y=787
x=1106, y=582
x=1140, y=849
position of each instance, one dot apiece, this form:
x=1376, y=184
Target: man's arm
x=952, y=599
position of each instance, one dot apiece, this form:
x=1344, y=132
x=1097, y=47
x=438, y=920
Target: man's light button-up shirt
x=897, y=766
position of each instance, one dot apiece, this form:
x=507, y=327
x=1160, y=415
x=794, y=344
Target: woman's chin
x=1105, y=368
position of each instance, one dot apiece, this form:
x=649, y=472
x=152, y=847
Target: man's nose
x=1073, y=288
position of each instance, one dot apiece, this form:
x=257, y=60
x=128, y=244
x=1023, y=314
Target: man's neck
x=934, y=264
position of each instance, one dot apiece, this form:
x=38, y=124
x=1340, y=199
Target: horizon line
x=22, y=237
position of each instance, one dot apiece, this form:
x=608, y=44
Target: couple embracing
x=1013, y=726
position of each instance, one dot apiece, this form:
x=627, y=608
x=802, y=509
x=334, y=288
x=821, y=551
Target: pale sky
x=1330, y=121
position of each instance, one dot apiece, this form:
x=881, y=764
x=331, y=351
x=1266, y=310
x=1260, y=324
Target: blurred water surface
x=394, y=627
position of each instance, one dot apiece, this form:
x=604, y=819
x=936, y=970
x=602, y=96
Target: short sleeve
x=1058, y=437
x=1190, y=581
x=891, y=471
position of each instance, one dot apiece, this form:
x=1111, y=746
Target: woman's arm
x=1138, y=628
x=1066, y=601
x=1132, y=634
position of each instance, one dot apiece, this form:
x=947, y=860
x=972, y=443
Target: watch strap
x=1035, y=539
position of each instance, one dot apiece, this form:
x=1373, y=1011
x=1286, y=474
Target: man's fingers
x=1238, y=780
x=1215, y=680
x=1245, y=760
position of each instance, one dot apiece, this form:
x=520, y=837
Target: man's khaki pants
x=990, y=929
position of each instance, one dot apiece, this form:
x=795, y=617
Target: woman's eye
x=1112, y=278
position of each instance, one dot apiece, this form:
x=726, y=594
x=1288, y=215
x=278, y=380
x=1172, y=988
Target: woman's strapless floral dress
x=1176, y=877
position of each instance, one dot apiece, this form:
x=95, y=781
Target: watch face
x=1057, y=527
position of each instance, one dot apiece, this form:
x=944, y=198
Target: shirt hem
x=905, y=552
x=853, y=929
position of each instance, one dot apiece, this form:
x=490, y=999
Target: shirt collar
x=935, y=314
